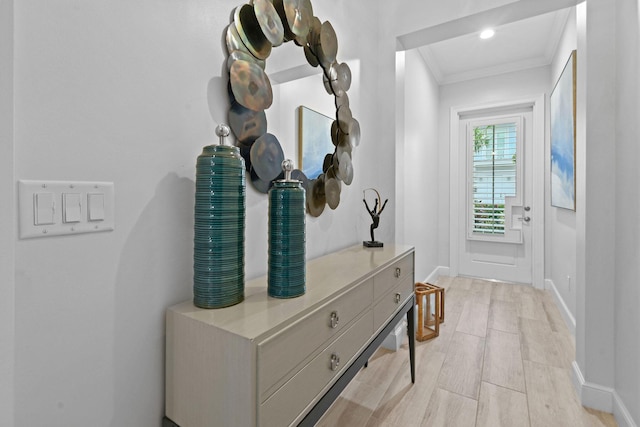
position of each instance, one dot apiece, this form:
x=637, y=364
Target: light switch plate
x=71, y=213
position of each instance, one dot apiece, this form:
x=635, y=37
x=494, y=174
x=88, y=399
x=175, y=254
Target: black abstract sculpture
x=375, y=218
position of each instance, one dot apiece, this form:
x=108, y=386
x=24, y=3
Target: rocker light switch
x=71, y=208
x=44, y=207
x=96, y=206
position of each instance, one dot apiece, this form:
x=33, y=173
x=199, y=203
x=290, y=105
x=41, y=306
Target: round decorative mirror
x=255, y=29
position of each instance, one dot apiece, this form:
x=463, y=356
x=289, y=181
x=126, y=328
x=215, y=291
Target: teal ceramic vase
x=218, y=255
x=287, y=242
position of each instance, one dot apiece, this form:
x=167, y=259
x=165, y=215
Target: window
x=494, y=173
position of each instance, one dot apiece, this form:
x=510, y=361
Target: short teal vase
x=218, y=255
x=287, y=242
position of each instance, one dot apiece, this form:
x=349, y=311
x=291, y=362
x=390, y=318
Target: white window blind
x=494, y=175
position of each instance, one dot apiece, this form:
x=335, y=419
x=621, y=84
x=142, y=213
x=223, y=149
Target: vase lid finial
x=287, y=167
x=223, y=132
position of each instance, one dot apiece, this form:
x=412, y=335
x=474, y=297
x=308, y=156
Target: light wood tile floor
x=503, y=358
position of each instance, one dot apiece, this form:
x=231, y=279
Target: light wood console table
x=279, y=362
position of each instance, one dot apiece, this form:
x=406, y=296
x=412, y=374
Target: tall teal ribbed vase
x=218, y=242
x=287, y=241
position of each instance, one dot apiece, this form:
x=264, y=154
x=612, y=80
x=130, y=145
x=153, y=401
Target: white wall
x=7, y=218
x=417, y=168
x=126, y=93
x=506, y=87
x=595, y=202
x=560, y=224
x=627, y=265
x=607, y=343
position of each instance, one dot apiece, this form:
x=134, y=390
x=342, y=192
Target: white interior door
x=495, y=210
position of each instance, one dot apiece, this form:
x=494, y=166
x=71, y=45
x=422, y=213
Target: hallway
x=503, y=358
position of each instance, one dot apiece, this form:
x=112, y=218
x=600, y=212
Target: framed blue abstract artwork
x=314, y=141
x=563, y=138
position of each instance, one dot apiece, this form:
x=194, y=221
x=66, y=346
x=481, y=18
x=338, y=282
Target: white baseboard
x=592, y=395
x=601, y=398
x=438, y=271
x=393, y=341
x=623, y=417
x=564, y=310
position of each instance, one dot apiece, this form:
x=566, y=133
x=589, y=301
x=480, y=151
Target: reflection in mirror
x=250, y=37
x=314, y=141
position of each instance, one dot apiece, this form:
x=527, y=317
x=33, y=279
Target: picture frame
x=563, y=138
x=314, y=141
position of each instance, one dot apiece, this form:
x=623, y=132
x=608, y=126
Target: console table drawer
x=392, y=275
x=391, y=302
x=280, y=354
x=282, y=408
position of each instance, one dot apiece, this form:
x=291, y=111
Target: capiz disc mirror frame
x=255, y=29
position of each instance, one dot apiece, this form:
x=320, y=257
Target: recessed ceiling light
x=487, y=34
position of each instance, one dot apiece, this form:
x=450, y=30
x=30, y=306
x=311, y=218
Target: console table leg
x=412, y=341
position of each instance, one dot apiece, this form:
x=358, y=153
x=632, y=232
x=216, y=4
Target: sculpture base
x=375, y=244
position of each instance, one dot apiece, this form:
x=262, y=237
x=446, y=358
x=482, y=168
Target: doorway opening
x=497, y=191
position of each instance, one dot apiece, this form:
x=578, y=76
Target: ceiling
x=518, y=45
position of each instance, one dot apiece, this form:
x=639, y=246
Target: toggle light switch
x=71, y=207
x=96, y=206
x=44, y=207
